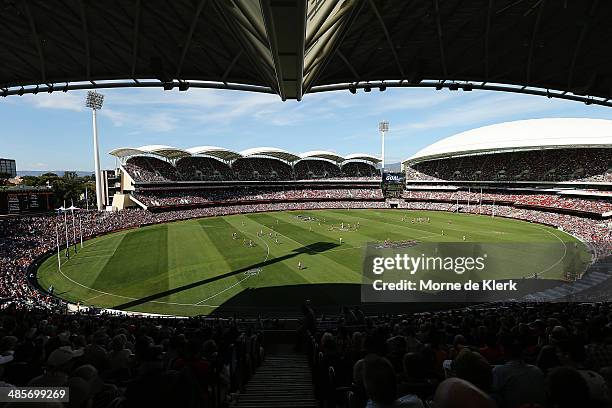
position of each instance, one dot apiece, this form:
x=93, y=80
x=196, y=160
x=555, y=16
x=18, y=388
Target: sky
x=53, y=131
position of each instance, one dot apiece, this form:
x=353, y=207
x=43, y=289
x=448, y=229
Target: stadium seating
x=542, y=165
x=165, y=198
x=359, y=169
x=262, y=169
x=149, y=169
x=316, y=169
x=588, y=205
x=203, y=169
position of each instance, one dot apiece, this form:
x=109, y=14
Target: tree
x=4, y=178
x=68, y=188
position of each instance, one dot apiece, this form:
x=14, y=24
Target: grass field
x=192, y=267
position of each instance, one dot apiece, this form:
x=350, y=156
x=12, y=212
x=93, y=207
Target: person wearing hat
x=59, y=364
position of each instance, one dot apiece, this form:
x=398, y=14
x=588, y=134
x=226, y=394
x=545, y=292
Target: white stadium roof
x=214, y=151
x=160, y=150
x=221, y=153
x=322, y=154
x=522, y=135
x=270, y=152
x=362, y=156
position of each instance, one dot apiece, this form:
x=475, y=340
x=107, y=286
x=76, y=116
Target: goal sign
x=393, y=184
x=393, y=178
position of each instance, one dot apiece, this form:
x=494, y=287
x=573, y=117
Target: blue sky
x=53, y=131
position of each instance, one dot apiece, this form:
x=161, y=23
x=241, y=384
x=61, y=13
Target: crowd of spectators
x=506, y=356
x=261, y=169
x=127, y=361
x=359, y=169
x=597, y=206
x=165, y=198
x=316, y=169
x=152, y=169
x=203, y=169
x=143, y=168
x=536, y=165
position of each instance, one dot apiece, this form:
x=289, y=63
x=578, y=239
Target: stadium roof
x=294, y=47
x=214, y=151
x=522, y=135
x=160, y=150
x=362, y=156
x=272, y=152
x=322, y=154
x=170, y=152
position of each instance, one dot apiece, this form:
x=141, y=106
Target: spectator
x=516, y=383
x=381, y=387
x=458, y=393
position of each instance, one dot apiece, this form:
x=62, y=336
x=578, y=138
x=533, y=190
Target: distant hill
x=58, y=172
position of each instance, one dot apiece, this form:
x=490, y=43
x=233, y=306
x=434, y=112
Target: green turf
x=191, y=267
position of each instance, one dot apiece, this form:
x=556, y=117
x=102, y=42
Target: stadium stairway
x=596, y=276
x=283, y=381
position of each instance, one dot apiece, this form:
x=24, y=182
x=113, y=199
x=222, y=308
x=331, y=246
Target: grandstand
x=529, y=152
x=164, y=176
x=561, y=165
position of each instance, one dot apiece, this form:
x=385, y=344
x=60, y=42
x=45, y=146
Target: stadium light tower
x=94, y=101
x=383, y=127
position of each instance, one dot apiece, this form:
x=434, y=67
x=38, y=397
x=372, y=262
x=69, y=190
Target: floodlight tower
x=383, y=127
x=94, y=101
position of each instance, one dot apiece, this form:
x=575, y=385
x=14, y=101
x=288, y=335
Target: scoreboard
x=393, y=184
x=19, y=201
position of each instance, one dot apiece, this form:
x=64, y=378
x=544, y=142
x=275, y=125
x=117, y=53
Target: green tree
x=4, y=178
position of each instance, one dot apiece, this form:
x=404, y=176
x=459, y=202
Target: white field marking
x=92, y=289
x=241, y=280
x=101, y=292
x=268, y=248
x=558, y=261
x=94, y=297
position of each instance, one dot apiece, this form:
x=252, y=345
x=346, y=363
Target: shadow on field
x=311, y=249
x=290, y=297
x=325, y=299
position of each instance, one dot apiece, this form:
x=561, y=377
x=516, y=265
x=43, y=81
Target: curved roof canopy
x=168, y=152
x=125, y=152
x=221, y=153
x=362, y=157
x=322, y=154
x=270, y=152
x=214, y=151
x=522, y=135
x=294, y=47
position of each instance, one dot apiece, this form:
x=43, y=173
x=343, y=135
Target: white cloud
x=482, y=110
x=73, y=101
x=151, y=122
